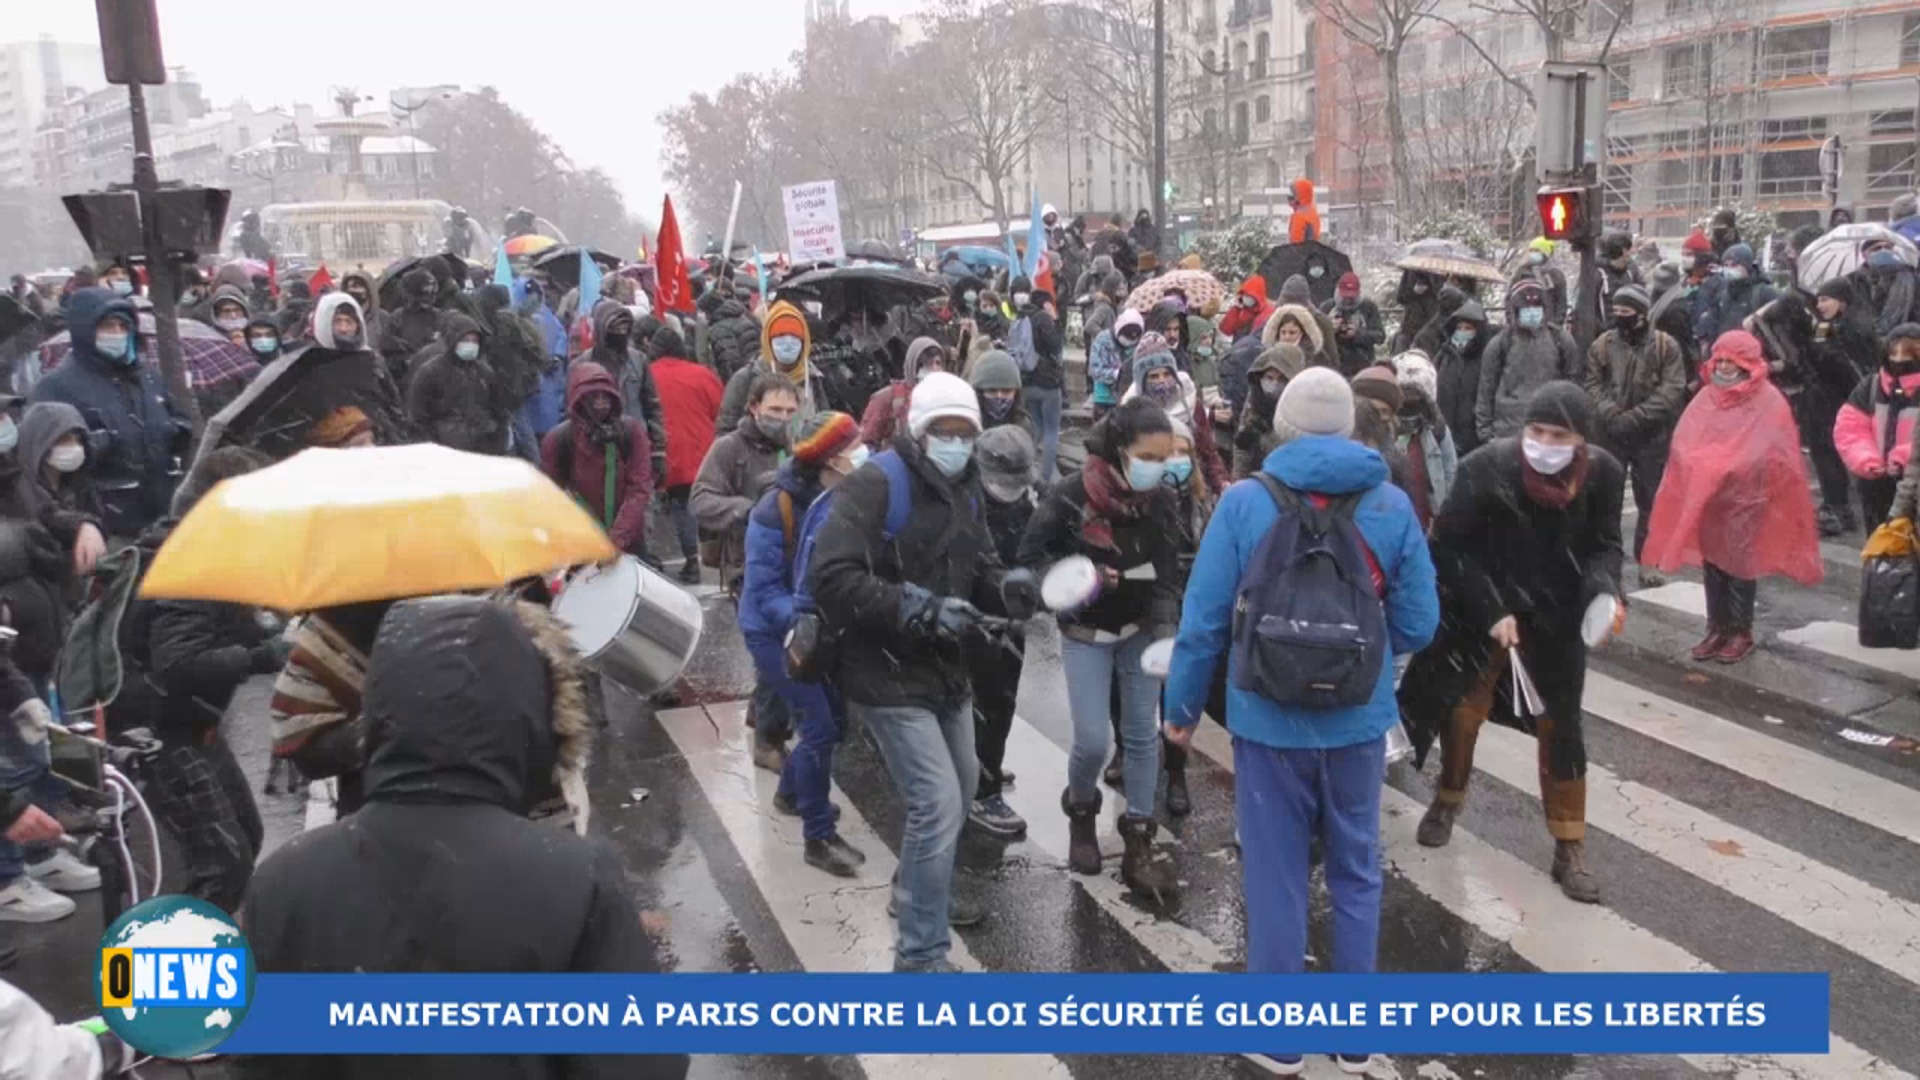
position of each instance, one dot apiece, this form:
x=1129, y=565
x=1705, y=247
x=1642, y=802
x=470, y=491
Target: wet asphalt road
x=1756, y=818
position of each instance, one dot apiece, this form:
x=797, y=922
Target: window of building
x=1620, y=79
x=1603, y=15
x=1207, y=62
x=1910, y=42
x=1209, y=123
x=1262, y=45
x=1799, y=50
x=1240, y=54
x=1686, y=71
x=1890, y=169
x=1684, y=7
x=1241, y=129
x=1890, y=122
x=1789, y=173
x=1793, y=129
x=1413, y=59
x=1263, y=108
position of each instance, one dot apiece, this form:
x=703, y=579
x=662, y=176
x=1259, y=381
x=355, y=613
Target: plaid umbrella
x=1200, y=288
x=211, y=359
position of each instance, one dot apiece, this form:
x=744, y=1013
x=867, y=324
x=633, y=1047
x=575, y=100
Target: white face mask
x=786, y=350
x=67, y=459
x=1546, y=460
x=1019, y=299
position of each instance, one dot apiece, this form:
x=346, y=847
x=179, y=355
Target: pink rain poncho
x=1735, y=492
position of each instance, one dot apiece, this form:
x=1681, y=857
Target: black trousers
x=1876, y=500
x=1729, y=601
x=199, y=792
x=996, y=686
x=1644, y=463
x=1814, y=411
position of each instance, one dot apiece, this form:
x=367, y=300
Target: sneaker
x=26, y=900
x=690, y=572
x=835, y=856
x=942, y=966
x=769, y=756
x=64, y=872
x=1354, y=1064
x=790, y=806
x=994, y=817
x=1830, y=524
x=961, y=912
x=1279, y=1064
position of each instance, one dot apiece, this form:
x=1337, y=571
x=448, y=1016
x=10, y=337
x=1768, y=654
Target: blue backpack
x=1308, y=628
x=1020, y=346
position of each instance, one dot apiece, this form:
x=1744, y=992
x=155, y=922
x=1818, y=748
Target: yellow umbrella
x=331, y=527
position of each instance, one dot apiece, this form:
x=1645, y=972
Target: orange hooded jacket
x=1306, y=216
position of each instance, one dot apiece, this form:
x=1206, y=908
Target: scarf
x=1110, y=500
x=1554, y=492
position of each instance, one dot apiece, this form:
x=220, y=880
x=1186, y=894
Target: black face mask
x=617, y=342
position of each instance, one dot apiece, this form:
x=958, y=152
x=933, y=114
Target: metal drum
x=630, y=624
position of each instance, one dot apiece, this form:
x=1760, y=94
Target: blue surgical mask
x=113, y=347
x=1532, y=317
x=1462, y=339
x=1178, y=471
x=123, y=286
x=1735, y=273
x=467, y=350
x=1884, y=258
x=1144, y=475
x=9, y=435
x=265, y=346
x=949, y=454
x=786, y=350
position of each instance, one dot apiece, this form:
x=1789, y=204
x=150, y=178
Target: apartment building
x=1242, y=98
x=35, y=77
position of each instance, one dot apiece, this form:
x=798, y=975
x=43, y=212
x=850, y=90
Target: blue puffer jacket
x=1329, y=466
x=766, y=600
x=137, y=432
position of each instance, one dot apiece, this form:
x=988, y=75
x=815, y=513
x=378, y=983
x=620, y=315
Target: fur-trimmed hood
x=1309, y=325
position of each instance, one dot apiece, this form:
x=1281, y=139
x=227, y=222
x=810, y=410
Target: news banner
x=176, y=978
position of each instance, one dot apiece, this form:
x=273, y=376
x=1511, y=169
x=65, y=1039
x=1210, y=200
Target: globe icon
x=178, y=922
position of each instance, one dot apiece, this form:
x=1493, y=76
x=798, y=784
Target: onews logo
x=175, y=977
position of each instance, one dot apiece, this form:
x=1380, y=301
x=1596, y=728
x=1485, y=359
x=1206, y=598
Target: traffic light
x=1563, y=213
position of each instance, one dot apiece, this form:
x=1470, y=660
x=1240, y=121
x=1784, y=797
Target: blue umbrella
x=978, y=259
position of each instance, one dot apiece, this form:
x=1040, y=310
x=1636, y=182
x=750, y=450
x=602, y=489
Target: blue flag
x=502, y=267
x=1013, y=254
x=1036, y=236
x=759, y=272
x=589, y=284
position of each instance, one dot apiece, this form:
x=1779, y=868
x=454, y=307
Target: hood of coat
x=1404, y=295
x=85, y=310
x=469, y=699
x=323, y=311
x=1287, y=360
x=784, y=319
x=456, y=326
x=1743, y=349
x=41, y=426
x=1472, y=312
x=1256, y=287
x=232, y=294
x=233, y=274
x=1309, y=326
x=916, y=352
x=365, y=279
x=1303, y=190
x=586, y=378
x=1327, y=464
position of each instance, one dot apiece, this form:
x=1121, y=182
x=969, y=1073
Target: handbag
x=1890, y=588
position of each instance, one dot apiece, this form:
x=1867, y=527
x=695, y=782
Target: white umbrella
x=1840, y=252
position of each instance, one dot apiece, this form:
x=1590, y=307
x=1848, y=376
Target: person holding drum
x=1114, y=522
x=826, y=449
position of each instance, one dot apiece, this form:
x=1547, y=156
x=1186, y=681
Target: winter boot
x=1138, y=871
x=1570, y=871
x=1179, y=804
x=1711, y=645
x=1436, y=826
x=1083, y=843
x=690, y=572
x=1830, y=524
x=835, y=856
x=1736, y=648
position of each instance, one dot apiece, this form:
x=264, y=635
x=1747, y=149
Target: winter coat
x=1874, y=431
x=1108, y=364
x=137, y=433
x=886, y=411
x=472, y=708
x=1672, y=315
x=1357, y=352
x=856, y=578
x=1149, y=605
x=1891, y=295
x=410, y=330
x=766, y=596
x=1638, y=389
x=1498, y=553
x=1515, y=364
x=1438, y=461
x=737, y=469
x=1240, y=321
x=733, y=406
x=1417, y=309
x=1322, y=465
x=1099, y=319
x=1459, y=369
x=72, y=502
x=1253, y=440
x=462, y=404
x=1191, y=411
x=733, y=335
x=36, y=587
x=1316, y=328
x=576, y=456
x=1049, y=342
x=1304, y=225
x=689, y=402
x=630, y=368
x=1724, y=304
x=1844, y=352
x=1233, y=373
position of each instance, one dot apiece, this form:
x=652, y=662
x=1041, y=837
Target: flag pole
x=726, y=245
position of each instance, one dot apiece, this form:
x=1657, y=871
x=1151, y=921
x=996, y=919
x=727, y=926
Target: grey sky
x=592, y=73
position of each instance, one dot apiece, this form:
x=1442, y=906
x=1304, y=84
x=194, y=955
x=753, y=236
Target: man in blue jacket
x=135, y=430
x=1301, y=771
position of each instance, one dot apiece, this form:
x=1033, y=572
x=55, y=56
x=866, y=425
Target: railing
x=1787, y=65
x=1685, y=82
x=1784, y=186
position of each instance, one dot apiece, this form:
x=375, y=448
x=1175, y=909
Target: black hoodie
x=442, y=871
x=455, y=402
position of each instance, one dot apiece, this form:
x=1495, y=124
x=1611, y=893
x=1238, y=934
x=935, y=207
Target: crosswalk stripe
x=1854, y=915
x=1687, y=596
x=1518, y=904
x=1821, y=780
x=833, y=924
x=1842, y=640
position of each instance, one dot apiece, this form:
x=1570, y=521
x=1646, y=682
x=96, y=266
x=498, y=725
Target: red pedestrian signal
x=1563, y=213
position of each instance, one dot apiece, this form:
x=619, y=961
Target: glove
x=1020, y=592
x=953, y=617
x=99, y=442
x=268, y=657
x=917, y=609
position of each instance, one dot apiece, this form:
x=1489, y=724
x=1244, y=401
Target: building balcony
x=1777, y=66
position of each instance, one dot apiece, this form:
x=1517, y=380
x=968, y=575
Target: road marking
x=1512, y=902
x=1687, y=596
x=1861, y=918
x=833, y=924
x=1821, y=780
x=1842, y=640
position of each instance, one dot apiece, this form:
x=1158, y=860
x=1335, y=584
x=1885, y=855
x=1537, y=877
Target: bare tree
x=1111, y=78
x=1381, y=28
x=1358, y=139
x=738, y=133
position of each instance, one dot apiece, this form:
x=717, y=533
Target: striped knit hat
x=823, y=436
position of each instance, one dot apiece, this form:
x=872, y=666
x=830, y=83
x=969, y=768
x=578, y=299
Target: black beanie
x=667, y=341
x=1906, y=331
x=1839, y=288
x=1632, y=296
x=1563, y=404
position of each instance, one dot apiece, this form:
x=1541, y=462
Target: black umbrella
x=875, y=287
x=448, y=270
x=1318, y=263
x=276, y=411
x=562, y=264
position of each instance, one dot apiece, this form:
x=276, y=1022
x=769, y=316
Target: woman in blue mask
x=1119, y=513
x=263, y=340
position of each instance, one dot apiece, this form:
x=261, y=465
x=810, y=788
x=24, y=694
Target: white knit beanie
x=1416, y=372
x=1316, y=402
x=940, y=394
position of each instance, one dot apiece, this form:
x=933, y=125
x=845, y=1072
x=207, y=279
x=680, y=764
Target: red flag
x=273, y=277
x=1043, y=281
x=321, y=280
x=673, y=289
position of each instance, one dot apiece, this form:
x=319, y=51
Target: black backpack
x=1308, y=628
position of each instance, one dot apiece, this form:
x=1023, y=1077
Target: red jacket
x=572, y=457
x=1241, y=320
x=1874, y=429
x=689, y=404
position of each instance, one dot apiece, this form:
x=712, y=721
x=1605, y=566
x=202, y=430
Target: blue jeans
x=525, y=445
x=808, y=776
x=25, y=767
x=685, y=528
x=771, y=723
x=1281, y=799
x=1044, y=403
x=1090, y=671
x=929, y=751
